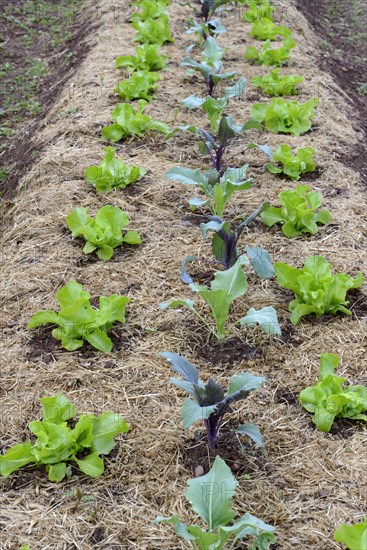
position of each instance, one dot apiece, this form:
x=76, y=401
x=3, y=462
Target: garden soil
x=304, y=482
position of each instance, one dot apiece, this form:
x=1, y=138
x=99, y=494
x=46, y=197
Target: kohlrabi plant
x=317, y=290
x=63, y=441
x=330, y=399
x=258, y=11
x=277, y=85
x=226, y=287
x=128, y=122
x=140, y=85
x=112, y=173
x=152, y=31
x=210, y=68
x=210, y=496
x=147, y=58
x=270, y=56
x=298, y=213
x=217, y=189
x=209, y=402
x=206, y=29
x=353, y=536
x=149, y=9
x=287, y=163
x=102, y=233
x=266, y=29
x=289, y=117
x=78, y=321
x=216, y=144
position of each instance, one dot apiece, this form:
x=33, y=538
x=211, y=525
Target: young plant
x=102, y=233
x=146, y=58
x=353, y=536
x=112, y=173
x=210, y=68
x=298, y=212
x=256, y=12
x=328, y=399
x=276, y=85
x=317, y=290
x=210, y=403
x=140, y=85
x=286, y=163
x=152, y=31
x=266, y=29
x=149, y=9
x=128, y=122
x=289, y=117
x=216, y=144
x=226, y=287
x=270, y=56
x=217, y=189
x=58, y=443
x=78, y=321
x=206, y=29
x=211, y=498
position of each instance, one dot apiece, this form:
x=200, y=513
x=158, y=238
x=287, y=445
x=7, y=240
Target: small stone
x=199, y=471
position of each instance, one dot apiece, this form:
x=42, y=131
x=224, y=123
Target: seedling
x=102, y=233
x=140, y=85
x=57, y=444
x=152, y=31
x=149, y=9
x=78, y=321
x=226, y=287
x=146, y=58
x=293, y=166
x=328, y=399
x=112, y=173
x=276, y=85
x=210, y=403
x=210, y=497
x=289, y=117
x=270, y=56
x=128, y=122
x=317, y=290
x=298, y=212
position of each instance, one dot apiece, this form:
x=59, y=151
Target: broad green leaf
x=57, y=409
x=177, y=303
x=104, y=253
x=328, y=364
x=132, y=237
x=56, y=472
x=266, y=317
x=112, y=308
x=105, y=428
x=187, y=176
x=180, y=528
x=233, y=280
x=192, y=102
x=92, y=465
x=353, y=536
x=182, y=366
x=244, y=382
x=260, y=261
x=16, y=457
x=99, y=340
x=77, y=219
x=210, y=495
x=42, y=318
x=219, y=301
x=70, y=293
x=252, y=431
x=192, y=412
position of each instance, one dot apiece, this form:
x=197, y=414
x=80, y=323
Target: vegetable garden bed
x=304, y=482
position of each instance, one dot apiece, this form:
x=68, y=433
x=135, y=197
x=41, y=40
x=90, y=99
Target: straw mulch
x=306, y=483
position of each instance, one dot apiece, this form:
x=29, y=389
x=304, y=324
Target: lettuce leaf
x=287, y=117
x=140, y=85
x=147, y=58
x=270, y=56
x=276, y=85
x=291, y=165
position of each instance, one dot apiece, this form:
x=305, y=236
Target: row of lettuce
x=317, y=290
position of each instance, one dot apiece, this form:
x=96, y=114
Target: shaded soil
x=44, y=43
x=342, y=24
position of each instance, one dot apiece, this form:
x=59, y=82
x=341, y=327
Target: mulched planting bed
x=304, y=482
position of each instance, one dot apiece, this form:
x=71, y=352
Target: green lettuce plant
x=128, y=122
x=61, y=440
x=78, y=321
x=102, y=233
x=256, y=12
x=210, y=496
x=149, y=9
x=270, y=56
x=147, y=58
x=217, y=189
x=112, y=173
x=140, y=85
x=209, y=401
x=292, y=165
x=353, y=536
x=329, y=399
x=152, y=31
x=266, y=29
x=276, y=85
x=226, y=287
x=317, y=290
x=298, y=212
x=289, y=117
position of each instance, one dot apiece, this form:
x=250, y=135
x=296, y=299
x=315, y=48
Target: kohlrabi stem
x=205, y=323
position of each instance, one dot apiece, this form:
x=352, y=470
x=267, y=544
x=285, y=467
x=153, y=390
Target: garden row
x=317, y=290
